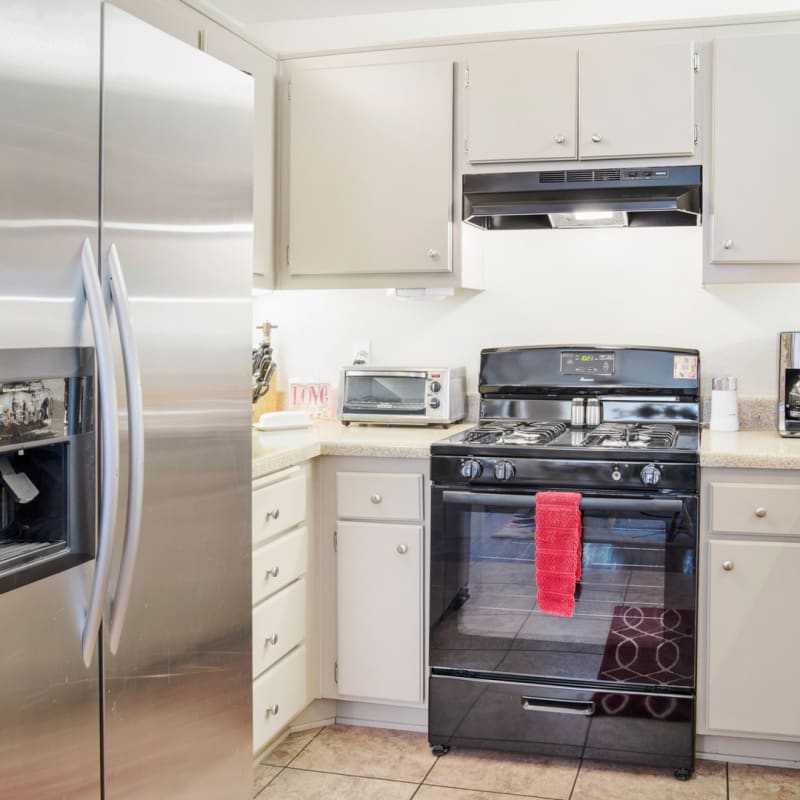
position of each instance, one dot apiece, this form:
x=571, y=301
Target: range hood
x=583, y=198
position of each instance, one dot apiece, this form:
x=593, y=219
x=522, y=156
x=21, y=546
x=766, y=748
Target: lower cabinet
x=283, y=646
x=374, y=578
x=750, y=646
x=379, y=610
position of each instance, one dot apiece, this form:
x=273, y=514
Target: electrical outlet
x=361, y=352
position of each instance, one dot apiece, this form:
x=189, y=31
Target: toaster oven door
x=383, y=394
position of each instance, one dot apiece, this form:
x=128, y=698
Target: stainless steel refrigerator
x=125, y=273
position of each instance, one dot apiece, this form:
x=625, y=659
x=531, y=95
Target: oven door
x=634, y=620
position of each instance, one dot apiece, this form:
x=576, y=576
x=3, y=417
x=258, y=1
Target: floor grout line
x=352, y=775
x=727, y=781
x=575, y=782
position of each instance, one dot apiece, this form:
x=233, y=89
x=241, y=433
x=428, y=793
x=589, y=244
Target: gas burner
x=632, y=435
x=515, y=432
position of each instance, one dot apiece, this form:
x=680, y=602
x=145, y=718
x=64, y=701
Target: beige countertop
x=276, y=450
x=749, y=450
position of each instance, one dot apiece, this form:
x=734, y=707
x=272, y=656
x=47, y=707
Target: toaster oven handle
x=587, y=503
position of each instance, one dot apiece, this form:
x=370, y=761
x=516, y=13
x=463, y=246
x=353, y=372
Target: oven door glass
x=385, y=394
x=634, y=618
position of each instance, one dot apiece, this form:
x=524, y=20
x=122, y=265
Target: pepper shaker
x=593, y=412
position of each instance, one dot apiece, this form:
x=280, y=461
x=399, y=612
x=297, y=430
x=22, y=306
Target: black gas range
x=619, y=425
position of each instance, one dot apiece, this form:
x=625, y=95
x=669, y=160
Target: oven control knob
x=434, y=402
x=435, y=386
x=470, y=468
x=504, y=471
x=651, y=475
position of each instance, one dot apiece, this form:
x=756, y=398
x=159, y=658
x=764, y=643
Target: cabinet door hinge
x=201, y=40
x=696, y=62
x=287, y=253
x=466, y=76
x=466, y=144
x=335, y=542
x=289, y=91
x=336, y=672
x=696, y=133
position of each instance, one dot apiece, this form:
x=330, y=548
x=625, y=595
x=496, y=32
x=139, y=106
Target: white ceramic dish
x=283, y=421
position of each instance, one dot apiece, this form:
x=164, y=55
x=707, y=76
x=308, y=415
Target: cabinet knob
x=271, y=639
x=272, y=710
x=761, y=512
x=402, y=549
x=728, y=244
x=559, y=138
x=433, y=253
x=273, y=572
x=376, y=498
x=727, y=565
x=272, y=514
x=596, y=137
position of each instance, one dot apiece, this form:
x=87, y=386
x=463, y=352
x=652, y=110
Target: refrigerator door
x=49, y=130
x=177, y=207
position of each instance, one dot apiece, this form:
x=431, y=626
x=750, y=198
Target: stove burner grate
x=516, y=432
x=632, y=435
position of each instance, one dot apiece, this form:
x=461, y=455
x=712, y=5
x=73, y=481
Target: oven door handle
x=587, y=503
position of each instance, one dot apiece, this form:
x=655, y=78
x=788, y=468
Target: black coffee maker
x=789, y=383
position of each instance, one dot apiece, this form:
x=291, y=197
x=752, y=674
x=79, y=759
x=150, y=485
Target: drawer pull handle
x=272, y=710
x=272, y=572
x=272, y=514
x=376, y=498
x=271, y=639
x=583, y=708
x=761, y=512
x=402, y=549
x=727, y=565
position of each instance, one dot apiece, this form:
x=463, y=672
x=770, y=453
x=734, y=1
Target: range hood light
x=590, y=219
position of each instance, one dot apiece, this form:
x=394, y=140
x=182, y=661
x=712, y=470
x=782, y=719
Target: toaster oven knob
x=470, y=468
x=435, y=386
x=434, y=402
x=651, y=475
x=504, y=471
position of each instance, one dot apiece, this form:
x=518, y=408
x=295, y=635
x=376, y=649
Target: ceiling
x=256, y=11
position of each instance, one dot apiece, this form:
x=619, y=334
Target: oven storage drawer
x=562, y=721
x=374, y=495
x=755, y=508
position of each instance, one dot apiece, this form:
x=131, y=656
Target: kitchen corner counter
x=748, y=450
x=276, y=450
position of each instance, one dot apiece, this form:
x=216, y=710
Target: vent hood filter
x=585, y=198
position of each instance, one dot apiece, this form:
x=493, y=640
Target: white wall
x=636, y=286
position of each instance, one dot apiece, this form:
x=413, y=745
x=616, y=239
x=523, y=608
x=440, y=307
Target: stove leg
x=440, y=749
x=683, y=774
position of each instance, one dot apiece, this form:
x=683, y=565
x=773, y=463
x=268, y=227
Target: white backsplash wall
x=626, y=286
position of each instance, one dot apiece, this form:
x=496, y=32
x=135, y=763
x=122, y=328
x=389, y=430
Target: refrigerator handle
x=109, y=448
x=133, y=384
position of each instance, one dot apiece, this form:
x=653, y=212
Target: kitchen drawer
x=376, y=495
x=278, y=506
x=279, y=695
x=755, y=508
x=279, y=625
x=279, y=562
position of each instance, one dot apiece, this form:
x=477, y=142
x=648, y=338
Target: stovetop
x=557, y=439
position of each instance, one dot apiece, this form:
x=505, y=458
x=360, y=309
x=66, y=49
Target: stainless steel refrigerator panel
x=177, y=186
x=49, y=127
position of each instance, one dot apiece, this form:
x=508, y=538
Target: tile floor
x=353, y=763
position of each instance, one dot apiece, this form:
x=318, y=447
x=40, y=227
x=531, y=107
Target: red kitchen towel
x=558, y=551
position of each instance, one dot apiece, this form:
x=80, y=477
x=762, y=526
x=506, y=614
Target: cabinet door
x=636, y=99
x=756, y=171
x=753, y=647
x=370, y=169
x=521, y=103
x=379, y=611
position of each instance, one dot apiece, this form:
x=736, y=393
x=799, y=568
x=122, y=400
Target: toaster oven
x=400, y=396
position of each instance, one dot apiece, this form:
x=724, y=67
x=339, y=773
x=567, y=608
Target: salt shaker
x=724, y=406
x=594, y=412
x=577, y=414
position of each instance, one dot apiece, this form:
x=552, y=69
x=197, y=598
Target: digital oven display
x=587, y=363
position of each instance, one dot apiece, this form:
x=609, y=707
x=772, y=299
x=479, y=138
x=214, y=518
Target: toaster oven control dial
x=504, y=471
x=435, y=386
x=470, y=468
x=651, y=475
x=434, y=403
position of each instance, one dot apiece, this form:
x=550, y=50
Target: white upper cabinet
x=521, y=103
x=756, y=171
x=548, y=100
x=636, y=99
x=370, y=179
